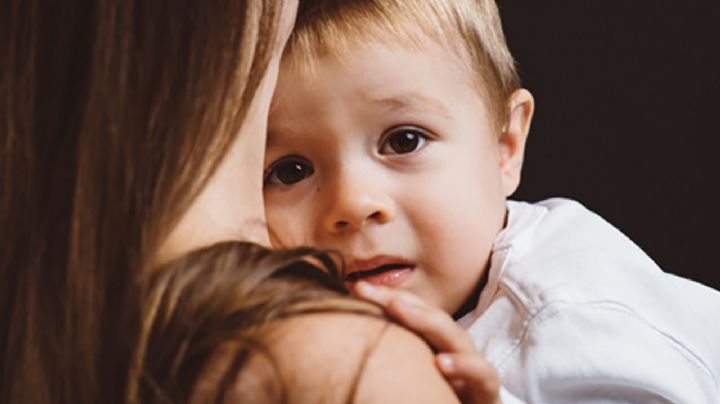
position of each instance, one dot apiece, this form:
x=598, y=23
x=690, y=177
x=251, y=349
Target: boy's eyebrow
x=402, y=102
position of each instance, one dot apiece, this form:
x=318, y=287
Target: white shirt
x=575, y=312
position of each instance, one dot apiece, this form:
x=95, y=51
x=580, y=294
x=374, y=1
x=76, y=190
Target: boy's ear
x=513, y=137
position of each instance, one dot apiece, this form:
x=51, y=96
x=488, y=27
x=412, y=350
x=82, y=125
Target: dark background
x=628, y=118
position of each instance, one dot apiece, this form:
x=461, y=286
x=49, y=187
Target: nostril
x=376, y=216
x=356, y=218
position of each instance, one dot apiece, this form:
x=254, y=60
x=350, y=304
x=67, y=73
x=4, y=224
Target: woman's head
x=117, y=118
x=230, y=206
x=211, y=315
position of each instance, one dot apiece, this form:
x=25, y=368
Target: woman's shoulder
x=338, y=357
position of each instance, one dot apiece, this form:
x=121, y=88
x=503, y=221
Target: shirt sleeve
x=602, y=352
x=507, y=397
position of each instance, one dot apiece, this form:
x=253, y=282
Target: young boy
x=396, y=133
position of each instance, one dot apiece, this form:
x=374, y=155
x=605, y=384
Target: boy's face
x=389, y=157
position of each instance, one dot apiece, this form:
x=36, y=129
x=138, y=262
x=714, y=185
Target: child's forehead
x=469, y=30
x=378, y=80
x=366, y=50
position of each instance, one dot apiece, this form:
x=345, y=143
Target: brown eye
x=403, y=141
x=289, y=171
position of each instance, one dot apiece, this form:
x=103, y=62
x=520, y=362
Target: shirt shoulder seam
x=534, y=318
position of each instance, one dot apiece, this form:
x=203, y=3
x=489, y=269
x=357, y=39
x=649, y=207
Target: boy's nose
x=357, y=205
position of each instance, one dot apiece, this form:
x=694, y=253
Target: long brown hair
x=113, y=114
x=233, y=294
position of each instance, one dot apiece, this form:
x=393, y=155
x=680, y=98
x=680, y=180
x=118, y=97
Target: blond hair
x=471, y=28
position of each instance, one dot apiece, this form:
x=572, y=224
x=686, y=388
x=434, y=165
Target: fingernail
x=446, y=362
x=365, y=289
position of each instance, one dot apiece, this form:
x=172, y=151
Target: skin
x=386, y=377
x=389, y=157
x=230, y=207
x=472, y=377
x=334, y=180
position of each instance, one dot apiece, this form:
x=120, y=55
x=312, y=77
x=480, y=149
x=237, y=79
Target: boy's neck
x=472, y=300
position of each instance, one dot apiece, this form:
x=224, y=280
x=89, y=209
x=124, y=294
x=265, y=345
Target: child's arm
x=474, y=378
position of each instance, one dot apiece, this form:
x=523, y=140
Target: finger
x=481, y=382
x=383, y=295
x=435, y=325
x=432, y=323
x=374, y=293
x=458, y=385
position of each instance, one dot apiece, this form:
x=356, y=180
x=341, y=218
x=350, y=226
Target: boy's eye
x=403, y=141
x=289, y=171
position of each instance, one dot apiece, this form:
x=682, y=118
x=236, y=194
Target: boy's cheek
x=286, y=230
x=277, y=232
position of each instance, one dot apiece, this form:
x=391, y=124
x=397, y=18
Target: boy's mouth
x=380, y=270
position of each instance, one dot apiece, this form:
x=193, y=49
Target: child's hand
x=472, y=377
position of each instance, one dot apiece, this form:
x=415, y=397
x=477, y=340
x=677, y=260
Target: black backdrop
x=627, y=119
